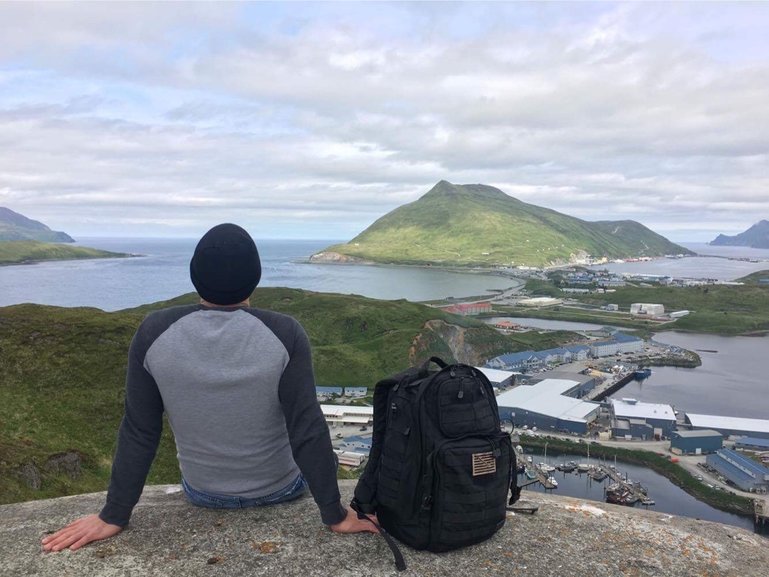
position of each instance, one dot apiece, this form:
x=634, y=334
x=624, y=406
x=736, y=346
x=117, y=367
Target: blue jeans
x=293, y=490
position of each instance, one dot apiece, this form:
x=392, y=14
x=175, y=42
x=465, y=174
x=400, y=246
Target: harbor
x=621, y=490
x=667, y=496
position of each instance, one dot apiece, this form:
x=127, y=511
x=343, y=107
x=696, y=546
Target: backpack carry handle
x=424, y=369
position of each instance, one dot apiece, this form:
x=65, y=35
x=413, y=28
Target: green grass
x=25, y=251
x=62, y=371
x=721, y=309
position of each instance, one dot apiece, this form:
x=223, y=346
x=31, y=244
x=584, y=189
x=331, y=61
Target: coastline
x=27, y=262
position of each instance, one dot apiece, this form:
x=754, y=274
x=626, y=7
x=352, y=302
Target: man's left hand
x=351, y=524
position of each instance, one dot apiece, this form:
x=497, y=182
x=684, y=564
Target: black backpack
x=440, y=468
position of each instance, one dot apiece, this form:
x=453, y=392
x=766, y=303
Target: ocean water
x=717, y=262
x=163, y=273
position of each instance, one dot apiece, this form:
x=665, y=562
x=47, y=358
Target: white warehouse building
x=347, y=415
x=652, y=310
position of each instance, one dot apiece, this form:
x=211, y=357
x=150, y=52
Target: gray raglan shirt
x=239, y=391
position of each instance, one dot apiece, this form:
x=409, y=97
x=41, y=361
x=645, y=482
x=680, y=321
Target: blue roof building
x=743, y=472
x=752, y=444
x=327, y=392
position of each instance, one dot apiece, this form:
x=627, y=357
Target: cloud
x=321, y=117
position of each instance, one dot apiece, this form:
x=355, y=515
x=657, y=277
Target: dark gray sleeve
x=138, y=438
x=307, y=430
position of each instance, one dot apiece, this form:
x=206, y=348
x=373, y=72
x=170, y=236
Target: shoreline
x=69, y=258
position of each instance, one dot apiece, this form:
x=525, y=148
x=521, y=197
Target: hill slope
x=27, y=251
x=757, y=236
x=15, y=226
x=475, y=224
x=62, y=371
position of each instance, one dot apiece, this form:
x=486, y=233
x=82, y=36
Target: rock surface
x=566, y=537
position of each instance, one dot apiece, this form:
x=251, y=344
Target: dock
x=761, y=512
x=634, y=492
x=531, y=467
x=601, y=392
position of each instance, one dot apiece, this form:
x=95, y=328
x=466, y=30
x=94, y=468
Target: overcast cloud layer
x=312, y=120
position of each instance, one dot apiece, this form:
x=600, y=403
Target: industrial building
x=583, y=383
x=468, y=309
x=499, y=379
x=545, y=405
x=752, y=444
x=357, y=444
x=350, y=458
x=540, y=302
x=743, y=472
x=652, y=310
x=699, y=442
x=326, y=393
x=347, y=415
x=730, y=426
x=616, y=344
x=632, y=419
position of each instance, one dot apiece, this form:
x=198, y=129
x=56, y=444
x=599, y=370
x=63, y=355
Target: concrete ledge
x=567, y=537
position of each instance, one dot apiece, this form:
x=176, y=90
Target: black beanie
x=225, y=268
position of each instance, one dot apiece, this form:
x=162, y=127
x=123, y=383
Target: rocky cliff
x=168, y=536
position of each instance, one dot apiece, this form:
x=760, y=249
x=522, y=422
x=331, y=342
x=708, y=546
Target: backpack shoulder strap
x=365, y=491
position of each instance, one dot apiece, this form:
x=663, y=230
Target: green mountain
x=15, y=226
x=62, y=373
x=757, y=236
x=475, y=224
x=23, y=240
x=28, y=251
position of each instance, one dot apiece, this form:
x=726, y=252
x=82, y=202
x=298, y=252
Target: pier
x=761, y=512
x=540, y=476
x=600, y=393
x=628, y=493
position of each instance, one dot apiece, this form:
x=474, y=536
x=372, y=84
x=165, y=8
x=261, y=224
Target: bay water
x=162, y=272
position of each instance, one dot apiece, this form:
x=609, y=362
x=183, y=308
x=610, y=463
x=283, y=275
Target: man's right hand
x=80, y=533
x=351, y=524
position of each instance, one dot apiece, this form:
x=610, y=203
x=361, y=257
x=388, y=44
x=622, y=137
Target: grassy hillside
x=720, y=309
x=25, y=251
x=15, y=226
x=62, y=372
x=481, y=225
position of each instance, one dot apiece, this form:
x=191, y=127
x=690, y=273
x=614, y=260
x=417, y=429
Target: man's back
x=218, y=372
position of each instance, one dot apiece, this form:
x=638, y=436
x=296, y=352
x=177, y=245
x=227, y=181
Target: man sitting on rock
x=237, y=385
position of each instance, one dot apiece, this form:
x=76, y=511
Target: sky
x=312, y=120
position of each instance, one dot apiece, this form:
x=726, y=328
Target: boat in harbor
x=598, y=475
x=530, y=474
x=553, y=482
x=569, y=467
x=545, y=468
x=641, y=374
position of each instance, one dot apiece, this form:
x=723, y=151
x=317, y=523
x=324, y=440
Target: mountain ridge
x=757, y=236
x=480, y=225
x=16, y=226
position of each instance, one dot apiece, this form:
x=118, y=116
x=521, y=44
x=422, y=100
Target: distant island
x=757, y=236
x=15, y=226
x=23, y=240
x=479, y=225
